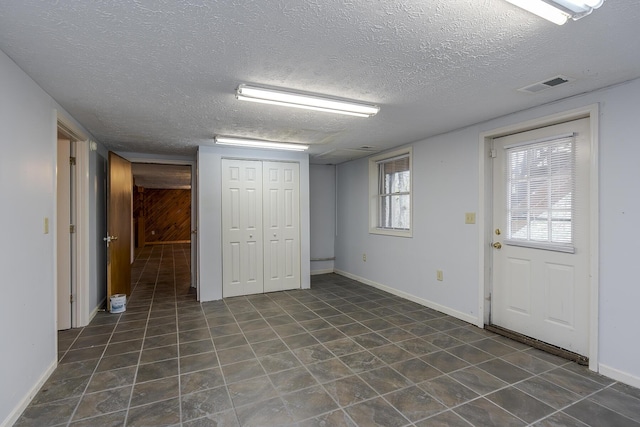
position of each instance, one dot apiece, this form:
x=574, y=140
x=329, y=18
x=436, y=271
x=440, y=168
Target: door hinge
x=72, y=229
x=71, y=299
x=493, y=153
x=72, y=161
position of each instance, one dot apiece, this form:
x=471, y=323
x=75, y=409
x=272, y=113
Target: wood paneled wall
x=165, y=215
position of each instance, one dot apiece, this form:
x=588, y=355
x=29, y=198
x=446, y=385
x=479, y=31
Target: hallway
x=339, y=354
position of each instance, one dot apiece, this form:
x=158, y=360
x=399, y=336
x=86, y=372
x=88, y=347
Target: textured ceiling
x=159, y=76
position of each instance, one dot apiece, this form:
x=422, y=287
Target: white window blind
x=540, y=177
x=394, y=209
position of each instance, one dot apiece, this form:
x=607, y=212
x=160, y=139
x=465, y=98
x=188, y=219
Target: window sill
x=390, y=232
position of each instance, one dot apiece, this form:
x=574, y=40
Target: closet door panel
x=242, y=263
x=282, y=225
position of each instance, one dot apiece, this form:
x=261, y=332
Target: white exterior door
x=281, y=201
x=541, y=234
x=242, y=254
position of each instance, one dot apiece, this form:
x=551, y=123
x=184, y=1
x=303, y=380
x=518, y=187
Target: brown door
x=120, y=186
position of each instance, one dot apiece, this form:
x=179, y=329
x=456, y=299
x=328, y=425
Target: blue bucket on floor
x=118, y=303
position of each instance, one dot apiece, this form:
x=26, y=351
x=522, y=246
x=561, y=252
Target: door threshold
x=549, y=348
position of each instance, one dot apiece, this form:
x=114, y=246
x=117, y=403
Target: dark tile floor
x=339, y=354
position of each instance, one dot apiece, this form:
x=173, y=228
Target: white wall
x=445, y=182
x=619, y=230
x=210, y=214
x=28, y=123
x=444, y=188
x=322, y=195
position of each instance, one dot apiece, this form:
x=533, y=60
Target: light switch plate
x=470, y=218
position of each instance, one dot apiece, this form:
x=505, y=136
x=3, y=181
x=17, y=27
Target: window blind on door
x=540, y=177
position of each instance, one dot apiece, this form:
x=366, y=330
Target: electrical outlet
x=46, y=225
x=364, y=257
x=439, y=275
x=470, y=218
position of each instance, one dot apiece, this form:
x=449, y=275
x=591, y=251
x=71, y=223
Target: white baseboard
x=17, y=411
x=325, y=271
x=430, y=304
x=618, y=375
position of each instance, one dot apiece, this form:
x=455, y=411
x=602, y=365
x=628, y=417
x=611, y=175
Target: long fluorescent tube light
x=543, y=10
x=309, y=102
x=258, y=143
x=558, y=11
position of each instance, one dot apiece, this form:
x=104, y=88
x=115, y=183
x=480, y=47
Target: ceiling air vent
x=546, y=84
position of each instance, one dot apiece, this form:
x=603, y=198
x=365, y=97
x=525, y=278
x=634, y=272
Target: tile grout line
x=215, y=351
x=84, y=392
x=494, y=357
x=144, y=335
x=175, y=299
x=508, y=385
x=269, y=326
x=583, y=398
x=375, y=304
x=305, y=365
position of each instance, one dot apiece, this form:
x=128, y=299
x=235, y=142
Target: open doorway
x=164, y=207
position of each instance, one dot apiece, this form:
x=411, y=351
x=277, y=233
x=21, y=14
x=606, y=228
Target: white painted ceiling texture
x=160, y=76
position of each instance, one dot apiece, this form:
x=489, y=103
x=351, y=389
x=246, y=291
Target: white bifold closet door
x=260, y=227
x=242, y=272
x=281, y=224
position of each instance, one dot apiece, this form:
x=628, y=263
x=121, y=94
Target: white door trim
x=133, y=158
x=83, y=248
x=80, y=304
x=485, y=209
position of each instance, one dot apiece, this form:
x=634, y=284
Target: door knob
x=497, y=245
x=109, y=239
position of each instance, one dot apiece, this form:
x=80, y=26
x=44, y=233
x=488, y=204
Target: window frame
x=374, y=194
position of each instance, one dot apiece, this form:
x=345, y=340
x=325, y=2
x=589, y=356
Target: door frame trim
x=81, y=286
x=485, y=211
x=192, y=163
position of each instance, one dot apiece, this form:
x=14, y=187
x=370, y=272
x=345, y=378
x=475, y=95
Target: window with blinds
x=541, y=193
x=394, y=193
x=390, y=191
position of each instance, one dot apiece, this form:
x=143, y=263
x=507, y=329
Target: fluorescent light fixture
x=543, y=10
x=306, y=101
x=258, y=143
x=558, y=11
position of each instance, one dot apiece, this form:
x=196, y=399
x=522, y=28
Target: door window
x=540, y=178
